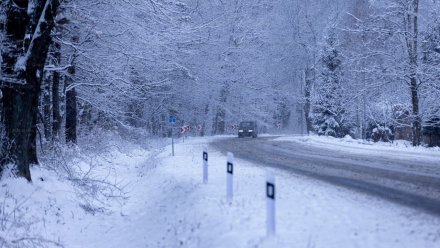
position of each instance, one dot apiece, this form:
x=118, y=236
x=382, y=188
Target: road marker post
x=172, y=143
x=172, y=120
x=270, y=204
x=229, y=177
x=205, y=165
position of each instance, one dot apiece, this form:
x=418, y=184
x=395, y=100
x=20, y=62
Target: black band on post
x=230, y=168
x=270, y=190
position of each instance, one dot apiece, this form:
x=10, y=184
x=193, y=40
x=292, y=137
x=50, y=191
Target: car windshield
x=246, y=124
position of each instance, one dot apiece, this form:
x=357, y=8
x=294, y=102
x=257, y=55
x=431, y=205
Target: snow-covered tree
x=329, y=109
x=27, y=36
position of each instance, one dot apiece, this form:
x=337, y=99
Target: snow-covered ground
x=166, y=204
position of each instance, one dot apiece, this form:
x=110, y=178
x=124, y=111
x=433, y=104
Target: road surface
x=405, y=181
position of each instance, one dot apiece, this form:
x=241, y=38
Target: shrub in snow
x=326, y=125
x=382, y=133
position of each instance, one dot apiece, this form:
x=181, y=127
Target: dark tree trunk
x=47, y=106
x=220, y=121
x=203, y=127
x=19, y=109
x=220, y=117
x=56, y=115
x=309, y=77
x=417, y=122
x=71, y=108
x=412, y=29
x=21, y=92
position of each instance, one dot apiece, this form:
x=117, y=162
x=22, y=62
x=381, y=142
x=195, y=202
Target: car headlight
x=250, y=131
x=240, y=131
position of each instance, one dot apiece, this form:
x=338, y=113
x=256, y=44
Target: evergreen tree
x=328, y=114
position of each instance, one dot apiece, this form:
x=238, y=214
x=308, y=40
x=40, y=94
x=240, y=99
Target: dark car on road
x=248, y=129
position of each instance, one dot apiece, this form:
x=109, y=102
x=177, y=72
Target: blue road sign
x=172, y=120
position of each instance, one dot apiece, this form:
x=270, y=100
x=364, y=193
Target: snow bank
x=71, y=189
x=399, y=149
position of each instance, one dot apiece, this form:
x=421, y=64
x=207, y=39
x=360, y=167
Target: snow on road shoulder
x=401, y=149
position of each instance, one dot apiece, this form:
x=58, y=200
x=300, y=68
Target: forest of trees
x=368, y=69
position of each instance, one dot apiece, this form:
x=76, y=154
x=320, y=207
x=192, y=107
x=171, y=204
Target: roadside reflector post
x=205, y=165
x=270, y=205
x=229, y=176
x=171, y=121
x=172, y=143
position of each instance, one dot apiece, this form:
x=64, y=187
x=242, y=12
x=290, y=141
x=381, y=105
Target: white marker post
x=229, y=174
x=205, y=165
x=172, y=120
x=270, y=206
x=172, y=142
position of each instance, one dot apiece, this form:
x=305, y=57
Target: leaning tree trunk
x=21, y=92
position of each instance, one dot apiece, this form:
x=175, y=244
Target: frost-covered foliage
x=391, y=62
x=430, y=74
x=214, y=63
x=207, y=63
x=390, y=59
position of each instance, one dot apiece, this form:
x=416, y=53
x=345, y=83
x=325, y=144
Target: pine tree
x=328, y=114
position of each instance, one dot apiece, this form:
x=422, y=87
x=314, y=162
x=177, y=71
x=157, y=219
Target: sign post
x=205, y=165
x=229, y=176
x=172, y=120
x=270, y=205
x=184, y=130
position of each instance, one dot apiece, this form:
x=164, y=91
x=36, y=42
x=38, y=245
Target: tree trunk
x=71, y=108
x=417, y=122
x=20, y=95
x=56, y=115
x=219, y=127
x=19, y=110
x=309, y=76
x=203, y=131
x=220, y=117
x=411, y=21
x=47, y=106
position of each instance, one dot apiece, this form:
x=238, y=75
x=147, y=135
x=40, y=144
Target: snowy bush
x=382, y=133
x=328, y=126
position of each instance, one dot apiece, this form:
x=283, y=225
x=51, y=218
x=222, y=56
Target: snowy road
x=397, y=176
